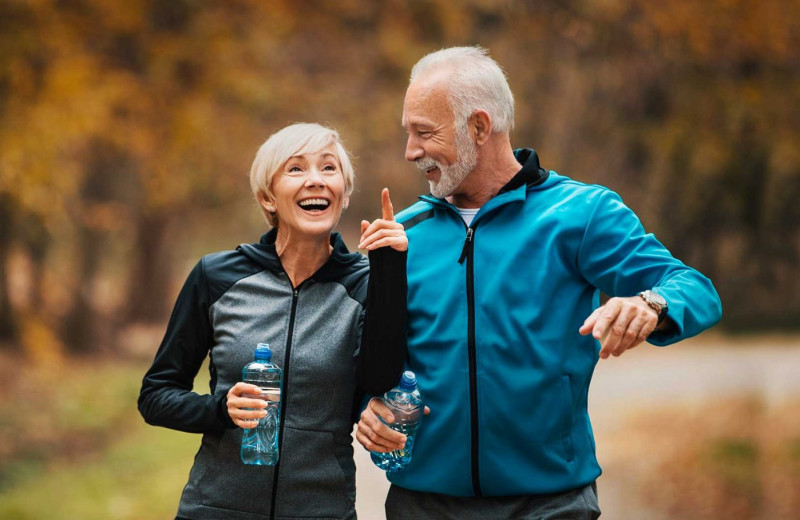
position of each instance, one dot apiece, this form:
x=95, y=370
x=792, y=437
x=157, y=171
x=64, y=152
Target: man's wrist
x=656, y=302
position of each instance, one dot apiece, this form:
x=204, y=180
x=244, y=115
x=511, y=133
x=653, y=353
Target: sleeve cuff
x=222, y=412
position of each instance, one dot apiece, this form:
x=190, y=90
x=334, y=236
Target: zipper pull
x=295, y=293
x=467, y=244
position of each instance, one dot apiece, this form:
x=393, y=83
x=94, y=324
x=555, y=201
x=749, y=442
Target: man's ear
x=480, y=125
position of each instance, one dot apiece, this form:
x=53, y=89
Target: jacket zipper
x=286, y=358
x=467, y=253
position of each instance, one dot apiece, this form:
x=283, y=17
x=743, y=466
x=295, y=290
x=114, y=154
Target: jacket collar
x=340, y=263
x=530, y=174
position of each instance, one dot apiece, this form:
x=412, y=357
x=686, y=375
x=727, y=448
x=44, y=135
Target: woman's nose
x=315, y=179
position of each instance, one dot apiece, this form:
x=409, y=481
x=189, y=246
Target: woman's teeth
x=314, y=204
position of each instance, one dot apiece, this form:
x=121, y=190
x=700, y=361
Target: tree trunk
x=8, y=321
x=37, y=242
x=150, y=276
x=79, y=332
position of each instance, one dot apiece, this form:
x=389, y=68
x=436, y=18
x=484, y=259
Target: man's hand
x=374, y=434
x=384, y=231
x=621, y=324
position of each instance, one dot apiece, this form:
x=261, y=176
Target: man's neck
x=496, y=166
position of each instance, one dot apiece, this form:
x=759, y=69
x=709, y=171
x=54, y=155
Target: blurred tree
x=123, y=126
x=7, y=314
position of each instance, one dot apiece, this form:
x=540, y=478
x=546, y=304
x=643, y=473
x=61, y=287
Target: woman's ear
x=345, y=202
x=266, y=204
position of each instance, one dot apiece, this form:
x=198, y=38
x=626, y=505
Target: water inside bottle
x=260, y=444
x=397, y=459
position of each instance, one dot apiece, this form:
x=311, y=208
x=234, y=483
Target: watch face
x=656, y=298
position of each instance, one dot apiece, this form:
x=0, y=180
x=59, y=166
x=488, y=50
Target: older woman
x=335, y=333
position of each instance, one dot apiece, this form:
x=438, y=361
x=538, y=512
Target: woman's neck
x=302, y=257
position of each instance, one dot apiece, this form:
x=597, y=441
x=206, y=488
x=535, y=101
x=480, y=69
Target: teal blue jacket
x=493, y=318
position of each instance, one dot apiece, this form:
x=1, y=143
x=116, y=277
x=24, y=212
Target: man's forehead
x=425, y=101
x=414, y=119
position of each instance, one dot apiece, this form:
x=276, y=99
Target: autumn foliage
x=127, y=130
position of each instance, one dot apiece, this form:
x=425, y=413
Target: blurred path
x=696, y=370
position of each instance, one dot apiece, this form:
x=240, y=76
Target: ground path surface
x=697, y=370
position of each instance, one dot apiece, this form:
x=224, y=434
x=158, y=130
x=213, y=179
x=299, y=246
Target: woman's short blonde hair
x=296, y=139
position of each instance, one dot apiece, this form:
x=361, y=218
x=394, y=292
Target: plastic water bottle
x=405, y=403
x=260, y=444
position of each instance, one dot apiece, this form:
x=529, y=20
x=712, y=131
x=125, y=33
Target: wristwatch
x=656, y=302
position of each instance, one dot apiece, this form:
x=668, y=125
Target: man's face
x=444, y=153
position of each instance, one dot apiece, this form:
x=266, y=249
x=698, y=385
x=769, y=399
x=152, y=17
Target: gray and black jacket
x=235, y=299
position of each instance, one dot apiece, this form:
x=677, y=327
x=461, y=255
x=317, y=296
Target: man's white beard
x=452, y=176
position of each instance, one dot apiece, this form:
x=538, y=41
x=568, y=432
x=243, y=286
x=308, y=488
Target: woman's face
x=309, y=194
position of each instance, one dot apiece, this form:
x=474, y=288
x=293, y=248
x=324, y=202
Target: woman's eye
x=329, y=168
x=295, y=169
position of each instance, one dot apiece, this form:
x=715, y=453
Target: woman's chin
x=315, y=228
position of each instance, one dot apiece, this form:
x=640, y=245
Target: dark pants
x=576, y=504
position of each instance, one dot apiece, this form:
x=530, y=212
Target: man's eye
x=425, y=135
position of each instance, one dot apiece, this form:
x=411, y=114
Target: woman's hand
x=244, y=409
x=383, y=232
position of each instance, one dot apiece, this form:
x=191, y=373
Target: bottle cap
x=263, y=352
x=408, y=381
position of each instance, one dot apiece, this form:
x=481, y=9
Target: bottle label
x=267, y=394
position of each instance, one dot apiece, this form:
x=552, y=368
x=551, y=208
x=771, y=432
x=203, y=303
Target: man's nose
x=413, y=150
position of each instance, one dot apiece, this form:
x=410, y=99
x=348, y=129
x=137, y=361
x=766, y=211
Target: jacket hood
x=264, y=254
x=531, y=173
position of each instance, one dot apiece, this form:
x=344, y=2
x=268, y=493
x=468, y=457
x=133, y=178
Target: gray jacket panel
x=235, y=299
x=317, y=470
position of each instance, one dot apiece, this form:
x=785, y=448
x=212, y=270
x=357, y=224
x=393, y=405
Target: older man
x=505, y=267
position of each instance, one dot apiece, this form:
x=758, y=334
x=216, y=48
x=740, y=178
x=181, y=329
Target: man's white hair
x=474, y=82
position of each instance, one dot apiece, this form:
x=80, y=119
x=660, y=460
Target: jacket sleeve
x=166, y=398
x=383, y=342
x=618, y=257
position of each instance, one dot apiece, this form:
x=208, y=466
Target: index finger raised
x=386, y=205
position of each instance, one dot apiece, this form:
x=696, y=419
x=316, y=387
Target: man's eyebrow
x=417, y=124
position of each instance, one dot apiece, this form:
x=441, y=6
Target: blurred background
x=127, y=131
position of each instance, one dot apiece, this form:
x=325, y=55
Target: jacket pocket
x=223, y=481
x=312, y=482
